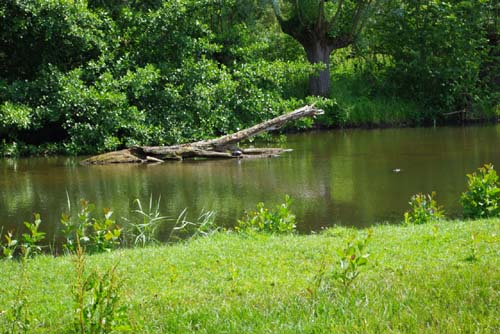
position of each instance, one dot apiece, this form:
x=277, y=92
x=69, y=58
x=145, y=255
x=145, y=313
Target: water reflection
x=336, y=177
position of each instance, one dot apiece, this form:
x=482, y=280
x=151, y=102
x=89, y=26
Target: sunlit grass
x=418, y=279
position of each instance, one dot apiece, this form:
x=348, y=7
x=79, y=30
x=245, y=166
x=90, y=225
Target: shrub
x=279, y=220
x=482, y=199
x=424, y=209
x=92, y=234
x=28, y=245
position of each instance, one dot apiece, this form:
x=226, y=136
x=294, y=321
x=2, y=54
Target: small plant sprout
x=424, y=209
x=18, y=314
x=473, y=242
x=77, y=228
x=352, y=257
x=28, y=245
x=345, y=270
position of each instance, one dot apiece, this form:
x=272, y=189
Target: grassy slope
x=419, y=280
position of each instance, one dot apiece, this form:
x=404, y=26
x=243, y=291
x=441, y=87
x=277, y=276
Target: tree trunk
x=319, y=52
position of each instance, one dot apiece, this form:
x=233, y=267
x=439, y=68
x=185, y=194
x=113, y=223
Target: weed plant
x=203, y=226
x=424, y=209
x=352, y=256
x=96, y=297
x=95, y=292
x=275, y=221
x=93, y=234
x=144, y=230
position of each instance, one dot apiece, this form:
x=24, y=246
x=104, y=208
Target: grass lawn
x=434, y=278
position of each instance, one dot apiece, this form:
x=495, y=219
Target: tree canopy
x=81, y=77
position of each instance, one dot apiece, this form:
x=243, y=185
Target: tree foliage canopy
x=87, y=76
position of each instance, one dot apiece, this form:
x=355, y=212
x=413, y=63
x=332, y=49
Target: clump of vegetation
x=96, y=296
x=114, y=74
x=185, y=228
x=93, y=234
x=145, y=230
x=482, y=199
x=29, y=244
x=424, y=209
x=278, y=220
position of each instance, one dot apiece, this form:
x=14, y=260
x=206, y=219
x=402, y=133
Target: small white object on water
x=397, y=170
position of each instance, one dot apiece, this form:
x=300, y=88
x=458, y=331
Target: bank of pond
x=437, y=277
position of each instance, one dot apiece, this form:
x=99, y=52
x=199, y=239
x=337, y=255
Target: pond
x=340, y=177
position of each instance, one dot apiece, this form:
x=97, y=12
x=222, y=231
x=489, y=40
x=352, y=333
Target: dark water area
x=341, y=177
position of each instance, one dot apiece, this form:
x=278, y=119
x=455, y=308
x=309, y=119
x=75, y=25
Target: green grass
x=431, y=278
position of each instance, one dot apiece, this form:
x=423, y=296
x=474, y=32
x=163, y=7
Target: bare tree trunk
x=319, y=52
x=219, y=148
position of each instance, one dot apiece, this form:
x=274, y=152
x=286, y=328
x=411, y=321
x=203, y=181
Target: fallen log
x=219, y=148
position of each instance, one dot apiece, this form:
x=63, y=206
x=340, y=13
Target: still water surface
x=337, y=177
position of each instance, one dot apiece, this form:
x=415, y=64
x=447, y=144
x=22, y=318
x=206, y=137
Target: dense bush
x=482, y=198
x=437, y=50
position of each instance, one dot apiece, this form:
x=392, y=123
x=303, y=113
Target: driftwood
x=220, y=148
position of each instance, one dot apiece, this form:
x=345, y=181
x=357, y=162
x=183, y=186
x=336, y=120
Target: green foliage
x=18, y=316
x=10, y=246
x=91, y=233
x=29, y=243
x=482, y=199
x=36, y=33
x=81, y=77
x=341, y=19
x=424, y=209
x=106, y=233
x=352, y=257
x=437, y=49
x=31, y=240
x=99, y=117
x=275, y=221
x=97, y=299
x=14, y=116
